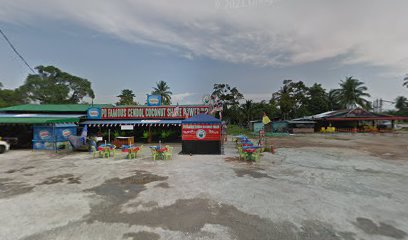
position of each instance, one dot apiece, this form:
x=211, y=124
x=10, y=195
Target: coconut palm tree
x=401, y=103
x=351, y=93
x=162, y=89
x=247, y=109
x=333, y=101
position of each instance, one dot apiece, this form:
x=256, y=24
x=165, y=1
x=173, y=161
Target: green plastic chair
x=106, y=153
x=132, y=155
x=94, y=151
x=242, y=154
x=140, y=150
x=169, y=153
x=257, y=155
x=154, y=154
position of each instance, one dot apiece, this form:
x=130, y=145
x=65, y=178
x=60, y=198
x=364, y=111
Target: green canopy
x=36, y=120
x=52, y=107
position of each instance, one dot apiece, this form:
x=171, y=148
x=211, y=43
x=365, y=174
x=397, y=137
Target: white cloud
x=257, y=97
x=265, y=32
x=184, y=98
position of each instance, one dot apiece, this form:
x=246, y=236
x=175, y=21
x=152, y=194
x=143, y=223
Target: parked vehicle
x=12, y=141
x=4, y=146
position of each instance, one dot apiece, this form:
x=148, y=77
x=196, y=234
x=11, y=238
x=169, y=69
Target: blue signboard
x=64, y=132
x=43, y=133
x=50, y=138
x=94, y=113
x=154, y=100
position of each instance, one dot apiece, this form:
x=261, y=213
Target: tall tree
x=10, y=97
x=163, y=90
x=292, y=99
x=51, y=85
x=319, y=99
x=247, y=110
x=263, y=107
x=401, y=103
x=126, y=97
x=351, y=93
x=332, y=100
x=272, y=109
x=230, y=96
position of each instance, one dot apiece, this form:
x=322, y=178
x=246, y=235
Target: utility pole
x=378, y=105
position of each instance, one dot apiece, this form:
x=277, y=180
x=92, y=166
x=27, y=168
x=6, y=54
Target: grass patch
x=237, y=130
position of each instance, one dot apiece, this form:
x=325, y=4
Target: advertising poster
x=64, y=133
x=201, y=132
x=43, y=133
x=142, y=112
x=154, y=100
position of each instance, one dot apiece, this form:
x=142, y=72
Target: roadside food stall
x=144, y=123
x=201, y=134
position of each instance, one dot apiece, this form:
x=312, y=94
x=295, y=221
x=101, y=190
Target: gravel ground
x=302, y=192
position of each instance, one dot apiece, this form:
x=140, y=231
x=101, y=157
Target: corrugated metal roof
x=52, y=107
x=33, y=115
x=317, y=116
x=37, y=120
x=301, y=122
x=357, y=114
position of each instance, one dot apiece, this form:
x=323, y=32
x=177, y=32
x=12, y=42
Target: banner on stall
x=201, y=132
x=162, y=112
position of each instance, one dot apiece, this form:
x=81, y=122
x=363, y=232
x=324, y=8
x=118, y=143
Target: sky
x=251, y=44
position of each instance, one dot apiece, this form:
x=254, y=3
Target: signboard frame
x=147, y=112
x=201, y=132
x=126, y=127
x=154, y=100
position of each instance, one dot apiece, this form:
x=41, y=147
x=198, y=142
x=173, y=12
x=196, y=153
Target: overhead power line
x=15, y=50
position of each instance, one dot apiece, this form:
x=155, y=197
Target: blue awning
x=152, y=122
x=203, y=119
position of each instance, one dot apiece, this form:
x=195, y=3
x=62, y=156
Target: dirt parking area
x=388, y=146
x=316, y=187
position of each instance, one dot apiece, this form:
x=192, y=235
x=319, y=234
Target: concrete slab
x=298, y=193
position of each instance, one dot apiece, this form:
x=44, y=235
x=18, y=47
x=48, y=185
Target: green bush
x=116, y=134
x=237, y=130
x=164, y=134
x=145, y=134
